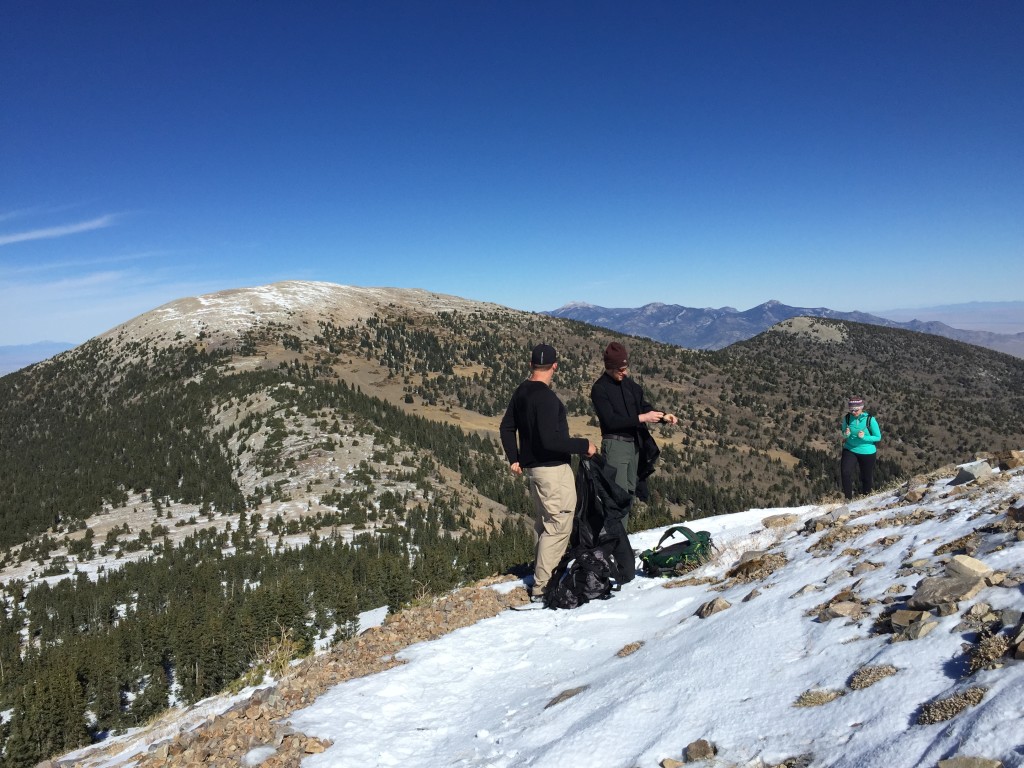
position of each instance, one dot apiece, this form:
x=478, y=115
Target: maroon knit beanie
x=615, y=356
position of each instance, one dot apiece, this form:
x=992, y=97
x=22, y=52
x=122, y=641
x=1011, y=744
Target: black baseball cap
x=543, y=354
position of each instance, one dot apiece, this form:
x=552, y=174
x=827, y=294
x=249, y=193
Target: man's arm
x=507, y=432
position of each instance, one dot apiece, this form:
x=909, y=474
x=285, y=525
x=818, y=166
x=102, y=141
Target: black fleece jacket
x=619, y=405
x=536, y=413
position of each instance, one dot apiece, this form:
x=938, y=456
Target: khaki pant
x=553, y=490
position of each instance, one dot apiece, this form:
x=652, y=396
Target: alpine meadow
x=229, y=480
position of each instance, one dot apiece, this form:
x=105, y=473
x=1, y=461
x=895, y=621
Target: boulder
x=839, y=575
x=862, y=568
x=712, y=607
x=919, y=629
x=962, y=565
x=944, y=590
x=845, y=609
x=903, y=619
x=914, y=495
x=972, y=472
x=780, y=521
x=1016, y=511
x=700, y=750
x=1009, y=460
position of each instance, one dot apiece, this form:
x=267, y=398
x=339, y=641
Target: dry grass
x=988, y=652
x=565, y=695
x=629, y=650
x=946, y=709
x=869, y=675
x=696, y=581
x=817, y=697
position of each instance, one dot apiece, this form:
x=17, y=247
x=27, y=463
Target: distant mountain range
x=711, y=328
x=18, y=356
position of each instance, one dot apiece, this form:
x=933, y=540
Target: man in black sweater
x=543, y=451
x=623, y=410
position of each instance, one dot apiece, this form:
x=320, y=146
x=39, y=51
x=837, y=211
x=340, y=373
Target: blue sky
x=860, y=155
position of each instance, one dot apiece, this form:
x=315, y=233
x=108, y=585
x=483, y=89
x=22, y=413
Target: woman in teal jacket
x=860, y=439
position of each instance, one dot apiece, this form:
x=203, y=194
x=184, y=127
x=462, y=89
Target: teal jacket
x=872, y=434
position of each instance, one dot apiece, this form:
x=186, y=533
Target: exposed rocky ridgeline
x=710, y=328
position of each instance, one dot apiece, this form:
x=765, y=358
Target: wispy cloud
x=78, y=264
x=52, y=232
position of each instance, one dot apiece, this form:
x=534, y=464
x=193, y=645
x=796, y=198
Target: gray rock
x=712, y=607
x=962, y=565
x=701, y=749
x=837, y=576
x=1016, y=511
x=972, y=472
x=944, y=590
x=848, y=610
x=751, y=555
x=903, y=619
x=919, y=629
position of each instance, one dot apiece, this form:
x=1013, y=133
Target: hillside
x=269, y=462
x=882, y=634
x=711, y=328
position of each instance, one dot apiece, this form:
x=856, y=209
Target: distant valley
x=710, y=328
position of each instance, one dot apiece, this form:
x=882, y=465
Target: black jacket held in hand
x=599, y=548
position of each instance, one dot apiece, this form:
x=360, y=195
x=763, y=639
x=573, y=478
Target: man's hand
x=651, y=417
x=516, y=469
x=591, y=449
x=670, y=418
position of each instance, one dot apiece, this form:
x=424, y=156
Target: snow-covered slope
x=770, y=680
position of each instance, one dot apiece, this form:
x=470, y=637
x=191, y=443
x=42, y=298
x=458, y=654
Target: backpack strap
x=690, y=535
x=866, y=423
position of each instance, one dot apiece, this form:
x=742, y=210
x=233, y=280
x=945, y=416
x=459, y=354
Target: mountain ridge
x=716, y=328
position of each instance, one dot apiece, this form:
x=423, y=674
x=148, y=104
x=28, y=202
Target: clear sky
x=864, y=155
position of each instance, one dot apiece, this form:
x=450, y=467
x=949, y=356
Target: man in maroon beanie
x=623, y=410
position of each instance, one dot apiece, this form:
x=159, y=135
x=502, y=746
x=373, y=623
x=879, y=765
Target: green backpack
x=680, y=557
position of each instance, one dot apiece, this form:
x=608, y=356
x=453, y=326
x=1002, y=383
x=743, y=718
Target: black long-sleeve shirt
x=539, y=417
x=619, y=405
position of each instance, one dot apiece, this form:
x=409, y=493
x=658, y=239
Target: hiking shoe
x=537, y=598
